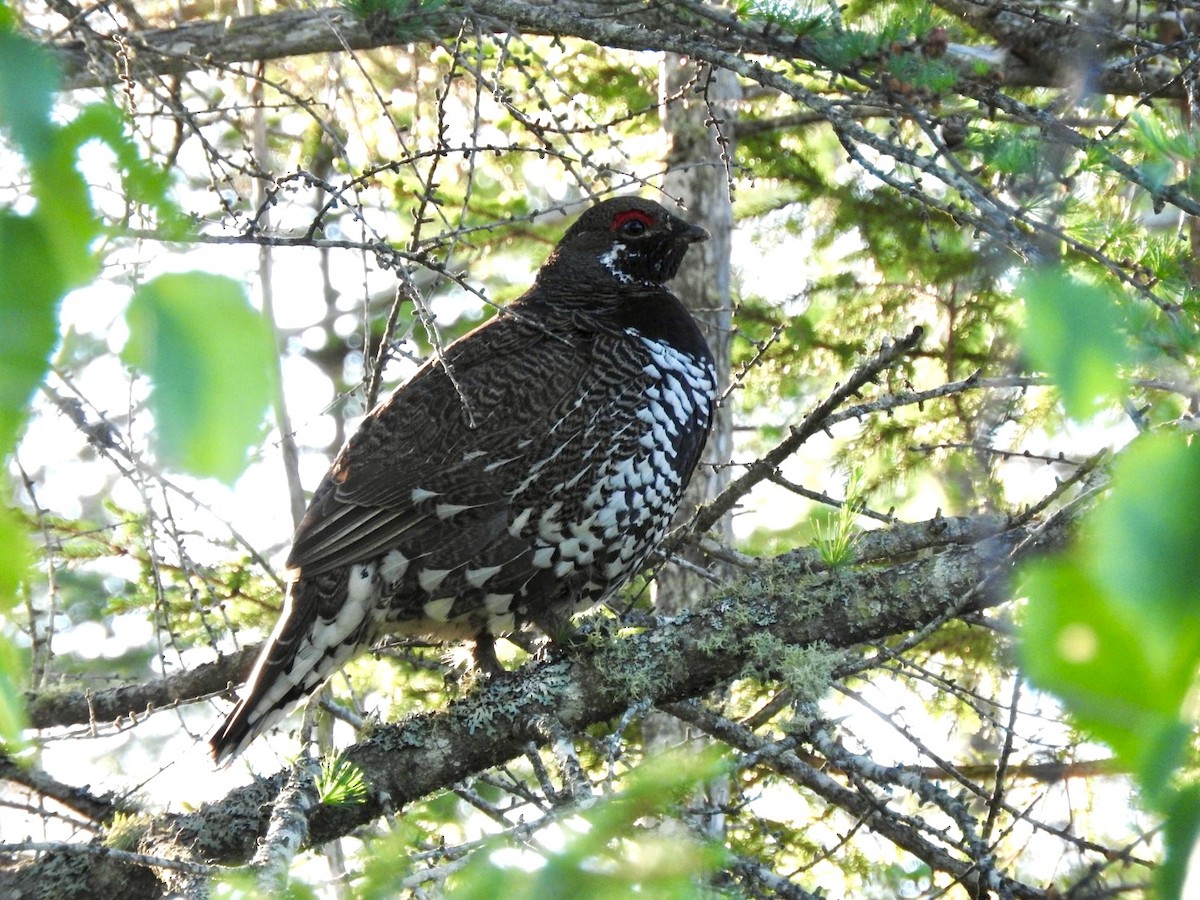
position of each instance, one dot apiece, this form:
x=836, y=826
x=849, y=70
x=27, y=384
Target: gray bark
x=700, y=130
x=699, y=125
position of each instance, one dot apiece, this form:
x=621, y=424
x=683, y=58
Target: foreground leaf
x=208, y=354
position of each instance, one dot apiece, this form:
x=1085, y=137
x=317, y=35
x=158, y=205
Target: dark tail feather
x=242, y=726
x=306, y=647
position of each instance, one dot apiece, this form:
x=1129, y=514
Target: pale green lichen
x=628, y=670
x=480, y=716
x=807, y=671
x=717, y=641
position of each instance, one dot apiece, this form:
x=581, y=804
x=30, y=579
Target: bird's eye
x=631, y=223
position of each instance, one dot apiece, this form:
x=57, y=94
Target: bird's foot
x=484, y=656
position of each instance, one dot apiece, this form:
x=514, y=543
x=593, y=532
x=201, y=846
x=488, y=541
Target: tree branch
x=58, y=706
x=101, y=59
x=746, y=630
x=761, y=468
x=71, y=706
x=871, y=810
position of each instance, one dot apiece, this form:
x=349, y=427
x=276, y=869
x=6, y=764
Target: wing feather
x=417, y=453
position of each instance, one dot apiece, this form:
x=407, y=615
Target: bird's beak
x=693, y=234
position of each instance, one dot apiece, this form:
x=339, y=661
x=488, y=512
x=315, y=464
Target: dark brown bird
x=519, y=480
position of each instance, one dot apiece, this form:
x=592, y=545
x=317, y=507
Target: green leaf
x=28, y=80
x=208, y=354
x=30, y=288
x=1181, y=833
x=14, y=566
x=1141, y=542
x=64, y=214
x=16, y=558
x=243, y=884
x=341, y=783
x=1075, y=643
x=1073, y=331
x=612, y=855
x=1013, y=154
x=13, y=719
x=143, y=181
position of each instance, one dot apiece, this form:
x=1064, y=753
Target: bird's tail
x=322, y=625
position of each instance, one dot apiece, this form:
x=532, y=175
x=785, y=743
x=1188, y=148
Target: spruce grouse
x=519, y=480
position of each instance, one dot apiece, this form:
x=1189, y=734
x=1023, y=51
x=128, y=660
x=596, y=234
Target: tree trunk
x=699, y=127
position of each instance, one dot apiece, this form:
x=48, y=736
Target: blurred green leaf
x=1142, y=542
x=243, y=884
x=14, y=566
x=208, y=354
x=1096, y=657
x=16, y=558
x=13, y=720
x=143, y=181
x=1073, y=331
x=30, y=288
x=64, y=214
x=608, y=854
x=28, y=79
x=1181, y=832
x=1113, y=626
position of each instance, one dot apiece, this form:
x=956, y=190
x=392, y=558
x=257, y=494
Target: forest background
x=930, y=623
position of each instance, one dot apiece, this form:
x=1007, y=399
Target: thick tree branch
x=79, y=799
x=287, y=828
x=71, y=706
x=62, y=706
x=746, y=630
x=106, y=59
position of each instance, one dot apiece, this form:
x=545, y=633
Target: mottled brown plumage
x=528, y=487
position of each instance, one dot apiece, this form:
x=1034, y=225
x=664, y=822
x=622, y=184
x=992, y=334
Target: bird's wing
x=451, y=441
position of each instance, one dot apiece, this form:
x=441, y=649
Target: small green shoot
x=341, y=783
x=126, y=830
x=837, y=535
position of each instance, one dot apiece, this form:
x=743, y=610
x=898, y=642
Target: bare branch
x=814, y=422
